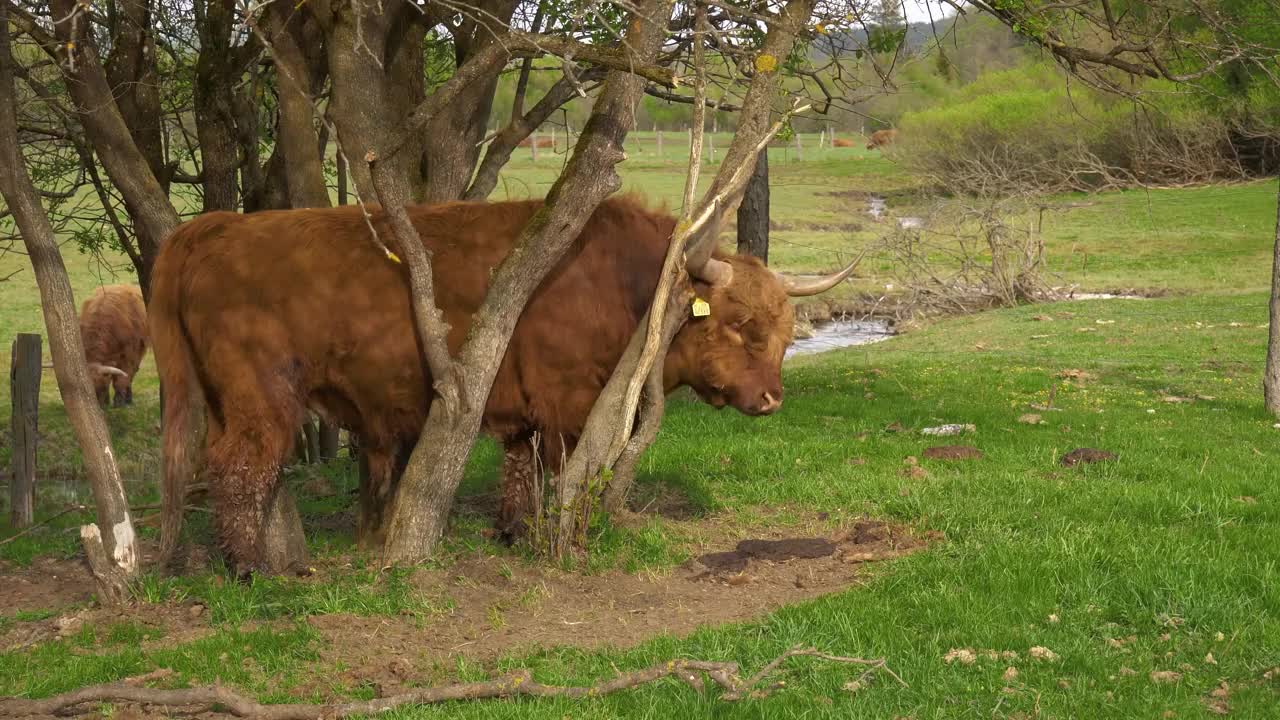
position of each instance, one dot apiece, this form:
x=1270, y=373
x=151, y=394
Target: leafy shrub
x=1027, y=129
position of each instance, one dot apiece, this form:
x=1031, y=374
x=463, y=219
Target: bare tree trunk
x=1271, y=377
x=295, y=41
x=114, y=553
x=753, y=213
x=425, y=497
x=217, y=71
x=129, y=166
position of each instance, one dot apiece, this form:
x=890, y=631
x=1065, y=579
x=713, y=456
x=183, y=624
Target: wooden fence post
x=24, y=391
x=533, y=146
x=659, y=144
x=799, y=150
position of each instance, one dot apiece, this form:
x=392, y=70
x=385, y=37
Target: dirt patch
x=1086, y=456
x=491, y=607
x=159, y=626
x=64, y=589
x=47, y=584
x=952, y=452
x=771, y=550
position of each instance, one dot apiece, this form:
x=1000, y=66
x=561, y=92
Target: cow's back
x=308, y=297
x=113, y=327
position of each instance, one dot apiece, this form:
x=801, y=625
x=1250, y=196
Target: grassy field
x=1161, y=560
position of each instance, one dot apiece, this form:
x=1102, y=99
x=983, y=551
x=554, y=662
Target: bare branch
x=515, y=684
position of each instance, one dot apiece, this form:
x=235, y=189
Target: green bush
x=1028, y=129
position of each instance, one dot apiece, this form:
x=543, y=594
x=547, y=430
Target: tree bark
x=1271, y=376
x=301, y=70
x=425, y=497
x=105, y=124
x=453, y=146
x=753, y=213
x=116, y=539
x=217, y=72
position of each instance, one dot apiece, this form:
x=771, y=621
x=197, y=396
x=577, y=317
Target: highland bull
x=257, y=318
x=113, y=327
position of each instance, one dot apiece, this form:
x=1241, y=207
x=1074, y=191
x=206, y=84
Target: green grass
x=1173, y=543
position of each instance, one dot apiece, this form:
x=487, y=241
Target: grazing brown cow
x=113, y=326
x=880, y=138
x=265, y=315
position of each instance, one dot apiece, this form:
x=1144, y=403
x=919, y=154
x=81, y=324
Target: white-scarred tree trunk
x=111, y=544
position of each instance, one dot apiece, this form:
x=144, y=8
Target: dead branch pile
x=970, y=254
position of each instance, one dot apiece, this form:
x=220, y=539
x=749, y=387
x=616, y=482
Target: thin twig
x=42, y=523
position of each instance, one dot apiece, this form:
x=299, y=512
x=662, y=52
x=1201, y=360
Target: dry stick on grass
x=42, y=523
x=517, y=683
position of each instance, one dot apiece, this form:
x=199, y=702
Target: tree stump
x=284, y=545
x=24, y=386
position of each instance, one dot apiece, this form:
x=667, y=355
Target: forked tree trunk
x=111, y=544
x=1271, y=377
x=425, y=497
x=600, y=446
x=753, y=213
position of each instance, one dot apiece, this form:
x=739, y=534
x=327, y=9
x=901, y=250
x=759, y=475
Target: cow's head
x=733, y=354
x=102, y=377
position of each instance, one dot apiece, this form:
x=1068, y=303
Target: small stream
x=841, y=334
x=877, y=208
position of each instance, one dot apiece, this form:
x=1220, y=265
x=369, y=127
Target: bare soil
x=491, y=606
x=497, y=608
x=952, y=452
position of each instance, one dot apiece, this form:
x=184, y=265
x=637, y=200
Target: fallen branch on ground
x=42, y=523
x=519, y=682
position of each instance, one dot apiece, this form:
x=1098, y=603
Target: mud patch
x=771, y=550
x=1086, y=456
x=492, y=607
x=952, y=452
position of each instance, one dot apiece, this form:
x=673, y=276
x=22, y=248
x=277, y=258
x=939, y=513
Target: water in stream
x=839, y=334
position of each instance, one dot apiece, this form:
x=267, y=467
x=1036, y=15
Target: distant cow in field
x=113, y=327
x=880, y=138
x=543, y=142
x=842, y=142
x=257, y=318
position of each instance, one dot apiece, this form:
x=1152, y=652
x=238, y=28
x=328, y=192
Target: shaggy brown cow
x=880, y=138
x=265, y=315
x=113, y=326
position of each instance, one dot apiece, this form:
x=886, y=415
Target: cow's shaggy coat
x=113, y=327
x=258, y=317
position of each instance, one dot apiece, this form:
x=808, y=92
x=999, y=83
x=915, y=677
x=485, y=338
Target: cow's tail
x=183, y=416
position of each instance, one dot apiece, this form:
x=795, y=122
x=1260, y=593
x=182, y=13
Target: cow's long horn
x=107, y=370
x=698, y=260
x=796, y=288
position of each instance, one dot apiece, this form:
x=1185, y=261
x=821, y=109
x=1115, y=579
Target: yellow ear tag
x=701, y=308
x=392, y=256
